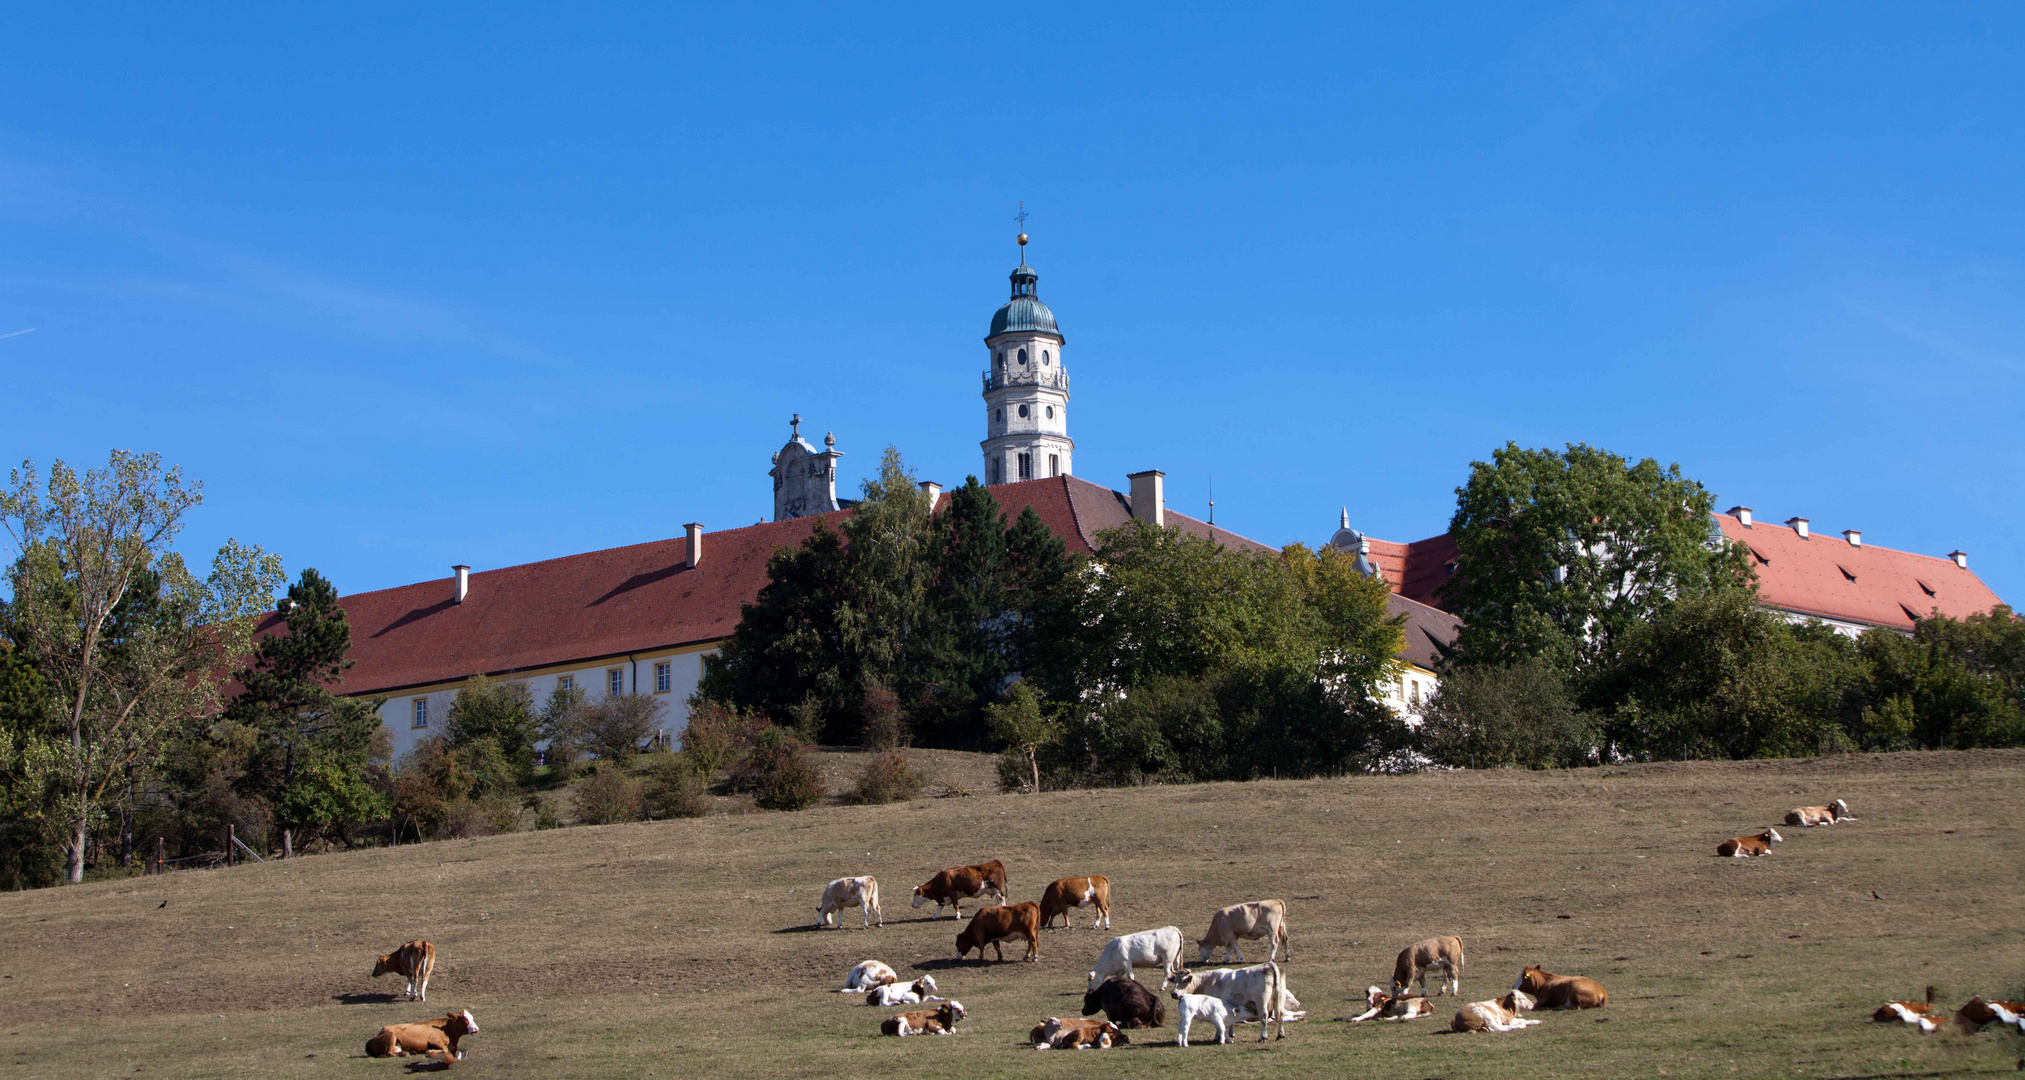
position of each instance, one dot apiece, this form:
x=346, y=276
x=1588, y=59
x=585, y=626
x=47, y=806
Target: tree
x=1560, y=554
x=561, y=726
x=1953, y=684
x=94, y=548
x=501, y=713
x=964, y=653
x=1516, y=716
x=29, y=714
x=618, y=725
x=1017, y=722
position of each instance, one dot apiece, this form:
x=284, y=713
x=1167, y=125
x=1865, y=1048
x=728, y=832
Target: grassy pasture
x=681, y=949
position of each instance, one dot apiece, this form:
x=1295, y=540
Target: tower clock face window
x=1023, y=412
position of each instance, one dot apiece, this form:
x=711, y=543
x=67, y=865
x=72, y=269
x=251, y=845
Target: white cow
x=849, y=892
x=1207, y=1009
x=1147, y=948
x=920, y=990
x=868, y=975
x=1258, y=919
x=1256, y=993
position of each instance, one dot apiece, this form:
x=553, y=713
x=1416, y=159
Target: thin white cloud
x=17, y=333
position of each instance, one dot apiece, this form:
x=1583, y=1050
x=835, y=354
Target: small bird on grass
x=161, y=905
x=1874, y=896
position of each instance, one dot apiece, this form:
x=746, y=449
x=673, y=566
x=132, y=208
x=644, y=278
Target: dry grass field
x=682, y=949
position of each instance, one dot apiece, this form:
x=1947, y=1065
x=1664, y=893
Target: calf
x=1127, y=1003
x=1395, y=1006
x=1923, y=1014
x=1561, y=991
x=439, y=1035
x=959, y=883
x=1074, y=892
x=1744, y=847
x=1256, y=993
x=1191, y=1008
x=993, y=925
x=1971, y=1017
x=1055, y=1033
x=1498, y=1014
x=920, y=990
x=416, y=961
x=938, y=1021
x=1147, y=948
x=1809, y=816
x=849, y=892
x=1438, y=954
x=867, y=975
x=1258, y=919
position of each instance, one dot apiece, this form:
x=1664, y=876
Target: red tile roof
x=1826, y=577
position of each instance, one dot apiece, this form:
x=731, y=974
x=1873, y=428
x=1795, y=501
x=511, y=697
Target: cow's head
x=1376, y=997
x=1838, y=808
x=1115, y=1035
x=924, y=986
x=1531, y=980
x=1771, y=836
x=383, y=965
x=1182, y=981
x=920, y=897
x=950, y=1013
x=1516, y=1002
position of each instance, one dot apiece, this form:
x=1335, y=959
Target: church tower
x=1026, y=388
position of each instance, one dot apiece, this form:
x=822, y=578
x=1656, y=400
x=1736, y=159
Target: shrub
x=502, y=714
x=718, y=735
x=674, y=788
x=545, y=815
x=618, y=725
x=562, y=726
x=778, y=772
x=1521, y=716
x=884, y=726
x=609, y=796
x=888, y=778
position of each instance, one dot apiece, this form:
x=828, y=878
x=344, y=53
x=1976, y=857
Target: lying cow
x=1074, y=892
x=1809, y=816
x=1394, y=1006
x=937, y=1021
x=1258, y=919
x=1148, y=948
x=1971, y=1017
x=415, y=961
x=959, y=883
x=1924, y=1014
x=1127, y=1003
x=1055, y=1033
x=1498, y=1014
x=1744, y=847
x=1256, y=993
x=914, y=993
x=1443, y=955
x=1191, y=1009
x=993, y=925
x=1561, y=991
x=438, y=1036
x=849, y=892
x=868, y=975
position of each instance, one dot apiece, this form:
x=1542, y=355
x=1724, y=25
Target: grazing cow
x=1258, y=919
x=1074, y=892
x=992, y=925
x=1498, y=1014
x=1386, y=1006
x=1809, y=816
x=1191, y=1008
x=439, y=1035
x=416, y=961
x=959, y=883
x=867, y=975
x=938, y=1021
x=916, y=992
x=1744, y=847
x=1561, y=991
x=1255, y=993
x=1126, y=1002
x=1055, y=1033
x=1148, y=948
x=1438, y=954
x=849, y=892
x=1971, y=1017
x=1923, y=1014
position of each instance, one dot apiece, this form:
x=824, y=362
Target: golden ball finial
x=1023, y=239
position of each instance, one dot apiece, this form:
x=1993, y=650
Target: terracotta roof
x=1077, y=510
x=1826, y=577
x=1415, y=570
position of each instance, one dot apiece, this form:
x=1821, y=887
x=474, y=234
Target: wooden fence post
x=159, y=854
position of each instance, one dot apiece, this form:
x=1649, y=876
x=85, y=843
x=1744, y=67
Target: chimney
x=463, y=581
x=1854, y=537
x=1149, y=496
x=695, y=533
x=1798, y=525
x=934, y=491
x=1961, y=558
x=1742, y=514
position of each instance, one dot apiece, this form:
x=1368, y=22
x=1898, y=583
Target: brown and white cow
x=938, y=1021
x=1443, y=955
x=1055, y=1033
x=1561, y=991
x=869, y=974
x=1498, y=1014
x=1074, y=892
x=1809, y=816
x=1744, y=847
x=914, y=993
x=1921, y=1013
x=1257, y=993
x=1252, y=921
x=993, y=925
x=959, y=883
x=439, y=1035
x=416, y=961
x=1386, y=1006
x=849, y=892
x=1971, y=1017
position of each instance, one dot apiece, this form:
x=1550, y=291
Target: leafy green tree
x=965, y=655
x=562, y=727
x=1953, y=684
x=618, y=725
x=1522, y=716
x=797, y=639
x=1018, y=723
x=501, y=713
x=29, y=714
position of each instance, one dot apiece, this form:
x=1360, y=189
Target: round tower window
x=1045, y=358
x=1023, y=412
x=1023, y=356
x=1051, y=412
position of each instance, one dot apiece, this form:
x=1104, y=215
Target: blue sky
x=488, y=284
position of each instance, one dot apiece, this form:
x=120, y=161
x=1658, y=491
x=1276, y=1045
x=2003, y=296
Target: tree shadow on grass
x=366, y=999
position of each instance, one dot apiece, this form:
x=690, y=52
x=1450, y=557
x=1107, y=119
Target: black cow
x=1126, y=1003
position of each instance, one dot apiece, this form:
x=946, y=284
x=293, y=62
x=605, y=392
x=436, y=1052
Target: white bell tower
x=1026, y=387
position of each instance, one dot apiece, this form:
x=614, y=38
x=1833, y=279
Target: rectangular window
x=1026, y=466
x=566, y=682
x=421, y=713
x=615, y=681
x=664, y=677
x=1054, y=464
